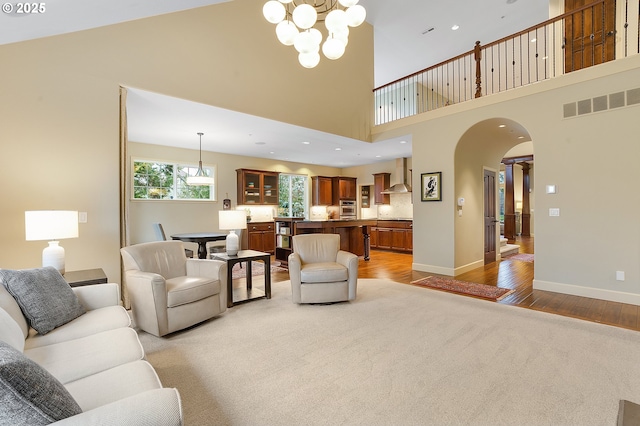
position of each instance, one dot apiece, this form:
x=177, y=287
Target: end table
x=85, y=277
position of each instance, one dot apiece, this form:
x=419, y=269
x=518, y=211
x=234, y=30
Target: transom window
x=156, y=180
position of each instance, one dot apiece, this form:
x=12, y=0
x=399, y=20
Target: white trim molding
x=594, y=293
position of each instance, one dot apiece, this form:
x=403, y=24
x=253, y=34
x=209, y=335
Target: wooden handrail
x=472, y=52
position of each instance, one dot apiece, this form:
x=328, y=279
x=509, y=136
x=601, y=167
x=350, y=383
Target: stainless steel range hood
x=401, y=170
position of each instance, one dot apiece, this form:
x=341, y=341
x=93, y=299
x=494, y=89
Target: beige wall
x=590, y=158
x=59, y=109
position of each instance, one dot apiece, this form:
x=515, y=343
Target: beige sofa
x=97, y=358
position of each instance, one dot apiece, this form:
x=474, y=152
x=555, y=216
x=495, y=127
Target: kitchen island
x=354, y=233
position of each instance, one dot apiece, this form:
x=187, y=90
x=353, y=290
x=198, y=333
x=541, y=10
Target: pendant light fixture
x=200, y=178
x=295, y=22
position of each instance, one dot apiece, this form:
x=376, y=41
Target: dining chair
x=161, y=236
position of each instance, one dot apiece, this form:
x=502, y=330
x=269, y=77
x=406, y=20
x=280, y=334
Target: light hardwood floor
x=513, y=274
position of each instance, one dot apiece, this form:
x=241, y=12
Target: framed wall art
x=431, y=186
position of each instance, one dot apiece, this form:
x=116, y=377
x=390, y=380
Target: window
x=155, y=180
x=293, y=195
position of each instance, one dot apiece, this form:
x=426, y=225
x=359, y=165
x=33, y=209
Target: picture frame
x=431, y=186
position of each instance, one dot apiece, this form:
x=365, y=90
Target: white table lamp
x=231, y=220
x=52, y=225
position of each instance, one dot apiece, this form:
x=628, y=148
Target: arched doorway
x=477, y=164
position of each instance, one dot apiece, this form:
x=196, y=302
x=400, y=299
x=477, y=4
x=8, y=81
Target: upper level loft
x=582, y=37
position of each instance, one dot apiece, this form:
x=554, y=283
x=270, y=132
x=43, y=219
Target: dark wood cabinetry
x=257, y=187
x=321, y=191
x=365, y=200
x=343, y=188
x=381, y=181
x=392, y=235
x=328, y=191
x=260, y=236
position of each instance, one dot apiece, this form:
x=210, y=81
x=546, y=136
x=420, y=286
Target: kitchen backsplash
x=400, y=207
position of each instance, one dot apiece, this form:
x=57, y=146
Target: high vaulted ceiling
x=409, y=35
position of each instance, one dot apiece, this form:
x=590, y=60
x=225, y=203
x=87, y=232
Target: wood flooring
x=513, y=274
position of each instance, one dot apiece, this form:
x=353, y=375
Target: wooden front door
x=490, y=219
x=589, y=34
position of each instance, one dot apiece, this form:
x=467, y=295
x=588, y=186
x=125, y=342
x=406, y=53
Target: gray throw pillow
x=45, y=298
x=29, y=394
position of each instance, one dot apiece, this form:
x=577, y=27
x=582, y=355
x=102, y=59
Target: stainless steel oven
x=348, y=209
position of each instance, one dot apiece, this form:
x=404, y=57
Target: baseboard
x=594, y=293
x=433, y=269
x=468, y=267
x=452, y=272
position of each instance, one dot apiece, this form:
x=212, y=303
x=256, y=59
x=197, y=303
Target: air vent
x=602, y=103
x=428, y=31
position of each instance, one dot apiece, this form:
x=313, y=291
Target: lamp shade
x=50, y=224
x=232, y=219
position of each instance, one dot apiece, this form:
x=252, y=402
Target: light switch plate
x=554, y=212
x=82, y=217
x=551, y=189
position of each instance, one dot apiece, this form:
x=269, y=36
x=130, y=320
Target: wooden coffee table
x=240, y=294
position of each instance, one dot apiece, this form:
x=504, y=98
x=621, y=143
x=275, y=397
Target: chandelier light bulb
x=304, y=16
x=289, y=1
x=345, y=3
x=333, y=48
x=305, y=42
x=286, y=32
x=309, y=60
x=335, y=20
x=274, y=11
x=356, y=15
x=317, y=36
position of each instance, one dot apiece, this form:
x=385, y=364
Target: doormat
x=523, y=257
x=257, y=268
x=484, y=291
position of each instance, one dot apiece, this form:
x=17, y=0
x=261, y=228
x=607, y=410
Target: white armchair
x=320, y=272
x=169, y=292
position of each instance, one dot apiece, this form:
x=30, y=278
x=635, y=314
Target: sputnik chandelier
x=295, y=20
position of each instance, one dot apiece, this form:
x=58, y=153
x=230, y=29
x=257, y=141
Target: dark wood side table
x=85, y=277
x=250, y=293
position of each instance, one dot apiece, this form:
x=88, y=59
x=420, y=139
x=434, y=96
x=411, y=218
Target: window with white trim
x=157, y=180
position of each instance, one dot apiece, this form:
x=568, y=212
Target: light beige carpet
x=397, y=355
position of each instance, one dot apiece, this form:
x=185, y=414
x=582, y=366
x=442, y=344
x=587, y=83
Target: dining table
x=202, y=238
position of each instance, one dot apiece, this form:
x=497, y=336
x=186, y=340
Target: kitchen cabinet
x=257, y=187
x=344, y=188
x=321, y=191
x=259, y=236
x=364, y=196
x=381, y=181
x=393, y=235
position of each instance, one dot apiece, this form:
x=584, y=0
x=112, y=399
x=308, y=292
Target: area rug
x=463, y=287
x=523, y=257
x=257, y=268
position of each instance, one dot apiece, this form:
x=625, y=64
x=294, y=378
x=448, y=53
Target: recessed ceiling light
x=338, y=149
x=271, y=152
x=403, y=141
x=455, y=27
x=533, y=40
x=520, y=137
x=378, y=156
x=502, y=125
x=306, y=143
